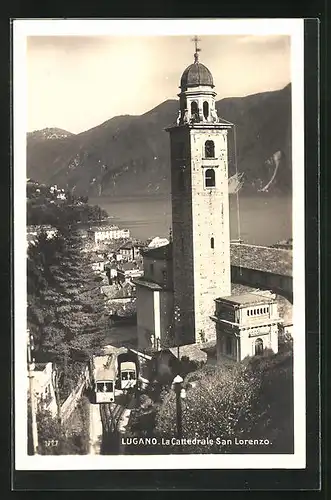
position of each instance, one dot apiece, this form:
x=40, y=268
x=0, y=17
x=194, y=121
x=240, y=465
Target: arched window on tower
x=194, y=111
x=258, y=347
x=209, y=178
x=209, y=149
x=205, y=110
x=212, y=242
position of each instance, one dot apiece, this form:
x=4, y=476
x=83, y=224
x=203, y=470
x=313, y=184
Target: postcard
x=159, y=244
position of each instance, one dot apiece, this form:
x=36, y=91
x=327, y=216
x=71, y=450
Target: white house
x=129, y=270
x=155, y=299
x=246, y=324
x=98, y=264
x=158, y=242
x=100, y=234
x=43, y=387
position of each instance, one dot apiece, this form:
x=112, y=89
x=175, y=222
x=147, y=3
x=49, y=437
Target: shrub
x=252, y=399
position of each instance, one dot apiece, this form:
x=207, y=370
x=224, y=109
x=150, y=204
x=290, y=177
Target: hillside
x=49, y=133
x=129, y=155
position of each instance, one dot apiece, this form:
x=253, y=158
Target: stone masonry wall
x=210, y=220
x=201, y=273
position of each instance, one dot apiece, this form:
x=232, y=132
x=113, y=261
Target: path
x=95, y=429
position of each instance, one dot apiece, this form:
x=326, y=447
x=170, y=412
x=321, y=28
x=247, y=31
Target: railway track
x=111, y=414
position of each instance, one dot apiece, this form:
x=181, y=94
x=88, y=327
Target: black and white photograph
x=159, y=244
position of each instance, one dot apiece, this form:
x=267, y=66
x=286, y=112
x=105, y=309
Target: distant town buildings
x=158, y=242
x=129, y=270
x=83, y=233
x=32, y=233
x=101, y=234
x=58, y=193
x=129, y=251
x=98, y=263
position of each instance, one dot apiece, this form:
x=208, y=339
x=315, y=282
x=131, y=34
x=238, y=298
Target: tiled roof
x=148, y=284
x=192, y=351
x=268, y=259
x=272, y=260
x=129, y=245
x=104, y=228
x=158, y=253
x=40, y=367
x=196, y=74
x=97, y=259
x=130, y=266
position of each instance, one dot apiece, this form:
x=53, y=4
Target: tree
x=57, y=439
x=274, y=403
x=43, y=207
x=50, y=435
x=219, y=405
x=252, y=399
x=65, y=308
x=143, y=418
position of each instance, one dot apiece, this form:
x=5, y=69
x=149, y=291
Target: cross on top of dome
x=197, y=50
x=196, y=74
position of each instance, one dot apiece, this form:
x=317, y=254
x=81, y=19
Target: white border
x=264, y=27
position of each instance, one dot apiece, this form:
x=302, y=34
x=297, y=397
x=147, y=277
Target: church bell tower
x=200, y=206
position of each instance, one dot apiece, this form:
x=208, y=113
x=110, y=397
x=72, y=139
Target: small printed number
x=51, y=442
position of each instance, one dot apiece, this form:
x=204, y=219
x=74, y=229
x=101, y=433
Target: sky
x=78, y=82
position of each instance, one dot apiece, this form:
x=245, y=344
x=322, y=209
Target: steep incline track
x=111, y=415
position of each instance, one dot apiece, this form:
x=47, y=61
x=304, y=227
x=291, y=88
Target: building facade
x=107, y=233
x=98, y=264
x=200, y=206
x=129, y=270
x=129, y=251
x=246, y=325
x=155, y=300
x=43, y=387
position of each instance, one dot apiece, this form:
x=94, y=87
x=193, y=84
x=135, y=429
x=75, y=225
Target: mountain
x=130, y=155
x=49, y=133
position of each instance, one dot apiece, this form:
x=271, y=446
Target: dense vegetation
x=250, y=400
x=72, y=438
x=44, y=206
x=66, y=312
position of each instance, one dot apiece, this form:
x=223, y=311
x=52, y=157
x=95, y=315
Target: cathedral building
x=176, y=296
x=200, y=205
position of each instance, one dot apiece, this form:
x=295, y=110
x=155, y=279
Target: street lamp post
x=177, y=321
x=177, y=385
x=31, y=367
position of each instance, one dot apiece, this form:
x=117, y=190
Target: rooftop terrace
x=249, y=298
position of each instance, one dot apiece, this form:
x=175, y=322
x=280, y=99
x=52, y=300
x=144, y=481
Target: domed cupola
x=197, y=96
x=196, y=75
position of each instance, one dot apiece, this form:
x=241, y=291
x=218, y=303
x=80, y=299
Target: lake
x=264, y=218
